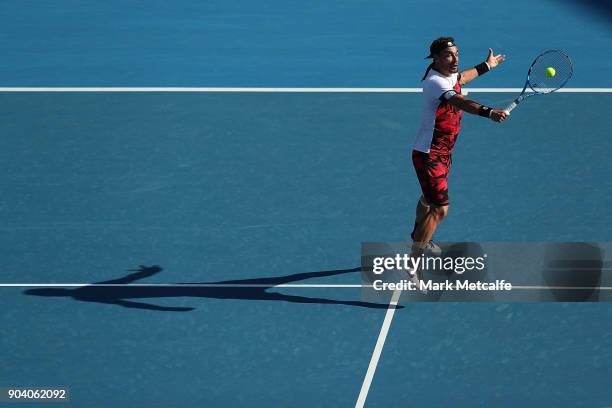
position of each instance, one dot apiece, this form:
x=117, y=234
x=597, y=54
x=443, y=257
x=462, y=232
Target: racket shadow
x=124, y=296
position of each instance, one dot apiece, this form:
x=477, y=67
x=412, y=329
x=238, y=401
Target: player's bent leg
x=426, y=229
x=421, y=211
x=432, y=171
x=422, y=239
x=440, y=212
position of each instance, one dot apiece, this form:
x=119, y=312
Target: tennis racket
x=539, y=82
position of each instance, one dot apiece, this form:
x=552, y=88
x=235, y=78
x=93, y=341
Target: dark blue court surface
x=249, y=189
x=219, y=187
x=288, y=43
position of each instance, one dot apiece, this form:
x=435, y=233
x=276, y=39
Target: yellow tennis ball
x=550, y=72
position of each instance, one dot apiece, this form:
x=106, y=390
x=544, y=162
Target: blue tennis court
x=213, y=199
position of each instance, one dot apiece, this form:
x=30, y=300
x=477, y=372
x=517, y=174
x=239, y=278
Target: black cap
x=439, y=44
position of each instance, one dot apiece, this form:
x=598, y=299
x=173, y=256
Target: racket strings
x=540, y=81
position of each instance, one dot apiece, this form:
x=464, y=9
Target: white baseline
x=288, y=90
x=255, y=285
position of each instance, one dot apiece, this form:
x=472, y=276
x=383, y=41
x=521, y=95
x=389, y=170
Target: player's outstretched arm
x=491, y=62
x=475, y=108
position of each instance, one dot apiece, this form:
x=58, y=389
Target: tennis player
x=440, y=125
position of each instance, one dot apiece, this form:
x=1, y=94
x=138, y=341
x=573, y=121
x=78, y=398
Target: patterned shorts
x=432, y=170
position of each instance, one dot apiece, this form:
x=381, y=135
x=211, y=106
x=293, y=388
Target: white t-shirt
x=437, y=89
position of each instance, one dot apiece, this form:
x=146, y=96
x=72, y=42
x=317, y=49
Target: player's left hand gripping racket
x=539, y=81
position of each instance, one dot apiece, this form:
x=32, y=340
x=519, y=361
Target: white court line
x=200, y=89
x=253, y=285
x=178, y=285
x=382, y=336
x=562, y=287
x=562, y=90
x=291, y=90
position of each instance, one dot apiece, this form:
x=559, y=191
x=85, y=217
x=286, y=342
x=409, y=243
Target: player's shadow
x=245, y=289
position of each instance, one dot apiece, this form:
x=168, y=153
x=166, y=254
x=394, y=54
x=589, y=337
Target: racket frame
x=524, y=95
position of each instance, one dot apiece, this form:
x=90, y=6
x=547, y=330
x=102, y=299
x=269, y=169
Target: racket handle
x=510, y=107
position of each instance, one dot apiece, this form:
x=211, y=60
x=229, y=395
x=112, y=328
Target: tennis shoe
x=432, y=249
